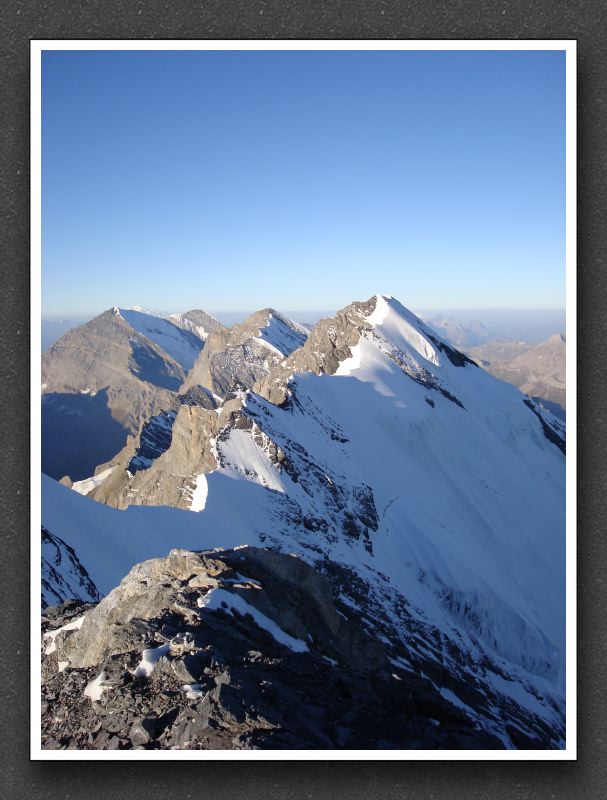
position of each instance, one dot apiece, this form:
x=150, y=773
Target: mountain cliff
x=237, y=357
x=102, y=380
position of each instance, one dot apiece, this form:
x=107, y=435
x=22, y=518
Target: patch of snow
x=193, y=691
x=243, y=579
x=402, y=663
x=88, y=484
x=199, y=496
x=215, y=599
x=62, y=665
x=242, y=456
x=149, y=659
x=454, y=700
x=349, y=365
x=95, y=688
x=331, y=661
x=401, y=328
x=515, y=690
x=380, y=311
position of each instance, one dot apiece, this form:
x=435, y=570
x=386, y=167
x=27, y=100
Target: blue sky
x=302, y=180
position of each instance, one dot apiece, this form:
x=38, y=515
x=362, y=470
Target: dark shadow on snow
x=550, y=405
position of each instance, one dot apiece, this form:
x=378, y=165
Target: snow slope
x=183, y=346
x=281, y=335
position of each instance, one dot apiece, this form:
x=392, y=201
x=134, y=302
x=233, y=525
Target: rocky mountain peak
x=237, y=357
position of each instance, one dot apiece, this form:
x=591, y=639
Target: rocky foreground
x=244, y=648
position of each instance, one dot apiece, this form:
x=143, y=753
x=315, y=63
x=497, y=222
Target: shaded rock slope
x=102, y=380
x=232, y=649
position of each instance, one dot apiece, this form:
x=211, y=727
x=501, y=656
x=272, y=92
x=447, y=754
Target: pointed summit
x=241, y=355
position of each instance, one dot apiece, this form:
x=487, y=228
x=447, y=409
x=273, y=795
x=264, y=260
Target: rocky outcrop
x=327, y=345
x=236, y=358
x=240, y=649
x=170, y=479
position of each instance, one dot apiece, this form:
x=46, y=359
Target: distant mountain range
x=539, y=370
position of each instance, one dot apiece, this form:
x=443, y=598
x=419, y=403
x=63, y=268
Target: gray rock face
x=244, y=649
x=236, y=358
x=170, y=478
x=100, y=381
x=106, y=352
x=328, y=343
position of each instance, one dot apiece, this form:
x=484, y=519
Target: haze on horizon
x=302, y=180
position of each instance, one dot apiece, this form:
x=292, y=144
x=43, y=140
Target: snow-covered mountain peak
x=243, y=354
x=399, y=327
x=279, y=333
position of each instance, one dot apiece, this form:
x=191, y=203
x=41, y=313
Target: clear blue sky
x=302, y=180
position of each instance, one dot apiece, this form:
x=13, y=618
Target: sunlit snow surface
x=149, y=659
x=95, y=688
x=469, y=498
x=199, y=496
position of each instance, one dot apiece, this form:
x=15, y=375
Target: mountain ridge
x=431, y=491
